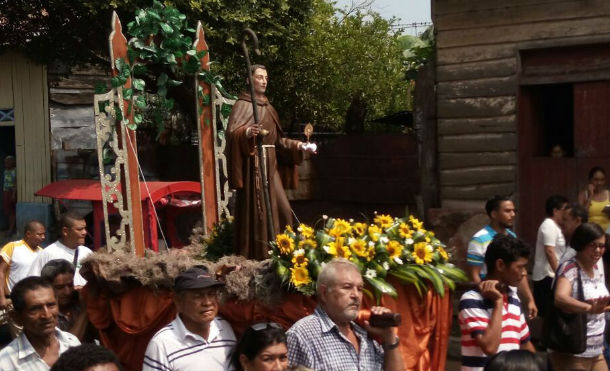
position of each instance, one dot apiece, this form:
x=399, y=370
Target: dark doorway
x=555, y=108
x=575, y=116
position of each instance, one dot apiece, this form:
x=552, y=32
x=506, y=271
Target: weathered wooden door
x=23, y=88
x=541, y=175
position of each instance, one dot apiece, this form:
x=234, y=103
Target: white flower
x=350, y=240
x=371, y=244
x=324, y=217
x=384, y=239
x=398, y=260
x=409, y=241
x=270, y=252
x=326, y=248
x=351, y=220
x=386, y=265
x=370, y=273
x=298, y=252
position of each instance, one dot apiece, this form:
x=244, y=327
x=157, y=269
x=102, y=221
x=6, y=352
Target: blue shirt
x=478, y=246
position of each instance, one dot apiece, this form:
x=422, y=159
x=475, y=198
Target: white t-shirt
x=58, y=250
x=549, y=234
x=593, y=288
x=19, y=257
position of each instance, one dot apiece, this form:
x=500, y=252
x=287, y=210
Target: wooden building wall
x=478, y=44
x=23, y=86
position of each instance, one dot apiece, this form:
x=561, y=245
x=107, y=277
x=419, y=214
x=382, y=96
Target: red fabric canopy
x=91, y=190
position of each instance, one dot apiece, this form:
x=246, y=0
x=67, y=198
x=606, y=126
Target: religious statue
x=279, y=157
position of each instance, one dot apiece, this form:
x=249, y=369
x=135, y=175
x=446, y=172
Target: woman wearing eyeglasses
x=261, y=348
x=589, y=242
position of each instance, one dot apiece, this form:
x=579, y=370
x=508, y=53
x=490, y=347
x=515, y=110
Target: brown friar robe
x=251, y=232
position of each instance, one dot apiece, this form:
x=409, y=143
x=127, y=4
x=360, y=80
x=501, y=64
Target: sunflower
x=344, y=252
x=299, y=259
x=416, y=223
x=308, y=244
x=340, y=227
x=359, y=247
x=422, y=253
x=284, y=243
x=370, y=254
x=384, y=221
x=443, y=253
x=359, y=229
x=374, y=232
x=394, y=248
x=306, y=231
x=289, y=229
x=338, y=249
x=299, y=276
x=405, y=231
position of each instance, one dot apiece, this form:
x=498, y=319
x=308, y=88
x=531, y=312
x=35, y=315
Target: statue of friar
x=281, y=154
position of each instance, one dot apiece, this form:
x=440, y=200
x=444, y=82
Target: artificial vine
x=159, y=42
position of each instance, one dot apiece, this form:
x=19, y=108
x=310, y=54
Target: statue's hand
x=309, y=147
x=253, y=130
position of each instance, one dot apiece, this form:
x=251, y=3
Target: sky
x=409, y=11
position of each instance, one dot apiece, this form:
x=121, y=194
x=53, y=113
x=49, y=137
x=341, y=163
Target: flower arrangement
x=398, y=247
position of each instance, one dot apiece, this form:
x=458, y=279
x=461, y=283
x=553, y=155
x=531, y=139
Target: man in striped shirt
x=197, y=339
x=490, y=316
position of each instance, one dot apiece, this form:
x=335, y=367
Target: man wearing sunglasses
x=197, y=339
x=329, y=339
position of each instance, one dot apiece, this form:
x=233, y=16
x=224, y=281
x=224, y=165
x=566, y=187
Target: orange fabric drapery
x=425, y=328
x=128, y=322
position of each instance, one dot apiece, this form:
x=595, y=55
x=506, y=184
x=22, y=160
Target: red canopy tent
x=91, y=190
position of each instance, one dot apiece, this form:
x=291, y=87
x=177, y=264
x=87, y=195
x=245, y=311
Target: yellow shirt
x=597, y=216
x=19, y=256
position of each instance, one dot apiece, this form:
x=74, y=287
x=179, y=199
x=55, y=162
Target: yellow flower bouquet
x=398, y=247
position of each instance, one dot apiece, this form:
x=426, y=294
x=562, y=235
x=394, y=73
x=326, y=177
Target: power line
x=415, y=27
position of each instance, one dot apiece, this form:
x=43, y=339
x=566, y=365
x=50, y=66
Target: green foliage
x=317, y=60
x=221, y=242
x=159, y=51
x=417, y=51
x=338, y=58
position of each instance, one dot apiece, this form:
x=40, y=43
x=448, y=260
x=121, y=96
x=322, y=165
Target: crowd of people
x=569, y=285
x=49, y=320
x=51, y=329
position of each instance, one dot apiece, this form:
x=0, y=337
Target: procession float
x=129, y=291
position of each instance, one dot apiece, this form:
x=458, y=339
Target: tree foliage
x=417, y=51
x=318, y=57
x=342, y=55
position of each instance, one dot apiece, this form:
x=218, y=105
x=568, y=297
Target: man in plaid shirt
x=329, y=339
